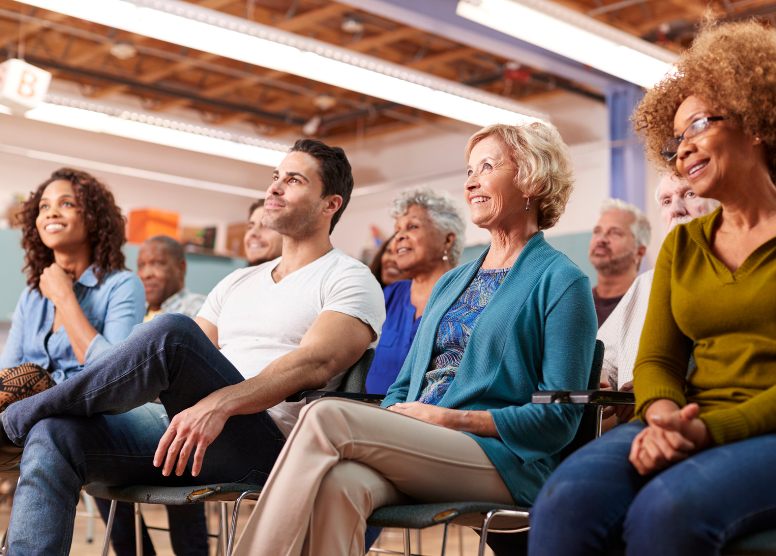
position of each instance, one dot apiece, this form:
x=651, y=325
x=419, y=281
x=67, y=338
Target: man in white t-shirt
x=264, y=333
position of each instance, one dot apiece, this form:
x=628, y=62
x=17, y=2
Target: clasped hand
x=424, y=412
x=672, y=435
x=55, y=283
x=190, y=432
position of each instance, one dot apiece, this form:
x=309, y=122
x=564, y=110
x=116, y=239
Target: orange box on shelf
x=150, y=222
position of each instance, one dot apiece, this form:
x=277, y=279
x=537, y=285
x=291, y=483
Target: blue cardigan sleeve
x=532, y=431
x=126, y=308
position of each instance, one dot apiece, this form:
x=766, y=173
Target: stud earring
x=528, y=204
x=445, y=257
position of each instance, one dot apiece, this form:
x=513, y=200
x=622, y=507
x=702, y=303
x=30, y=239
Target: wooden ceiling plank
x=442, y=58
x=215, y=4
x=312, y=17
x=91, y=54
x=369, y=43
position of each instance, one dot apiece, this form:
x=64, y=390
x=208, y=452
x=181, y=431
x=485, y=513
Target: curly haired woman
x=80, y=299
x=695, y=469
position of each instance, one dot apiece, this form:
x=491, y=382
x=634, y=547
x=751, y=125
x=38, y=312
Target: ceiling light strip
x=207, y=30
x=150, y=128
x=573, y=35
x=131, y=172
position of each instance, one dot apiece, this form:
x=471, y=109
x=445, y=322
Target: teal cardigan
x=537, y=333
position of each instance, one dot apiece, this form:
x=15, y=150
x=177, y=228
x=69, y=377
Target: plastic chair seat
x=170, y=495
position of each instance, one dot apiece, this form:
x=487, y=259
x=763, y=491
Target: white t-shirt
x=259, y=320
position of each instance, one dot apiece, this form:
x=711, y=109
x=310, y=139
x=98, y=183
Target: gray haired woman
x=428, y=242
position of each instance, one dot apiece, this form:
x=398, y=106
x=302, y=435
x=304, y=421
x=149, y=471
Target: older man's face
x=679, y=204
x=613, y=245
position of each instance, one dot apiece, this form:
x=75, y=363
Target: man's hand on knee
x=191, y=432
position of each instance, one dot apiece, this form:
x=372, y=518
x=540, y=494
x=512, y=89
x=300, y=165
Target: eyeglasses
x=671, y=148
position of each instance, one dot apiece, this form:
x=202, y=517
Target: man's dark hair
x=254, y=206
x=174, y=248
x=335, y=171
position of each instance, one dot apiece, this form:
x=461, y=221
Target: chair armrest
x=310, y=396
x=551, y=396
x=584, y=397
x=602, y=397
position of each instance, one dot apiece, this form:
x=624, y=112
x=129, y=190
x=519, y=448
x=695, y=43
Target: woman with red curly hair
x=694, y=470
x=80, y=298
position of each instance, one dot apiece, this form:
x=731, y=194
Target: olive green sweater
x=729, y=318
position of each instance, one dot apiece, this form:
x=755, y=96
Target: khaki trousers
x=345, y=459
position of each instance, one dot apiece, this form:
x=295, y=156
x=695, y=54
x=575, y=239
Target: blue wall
x=574, y=246
x=204, y=272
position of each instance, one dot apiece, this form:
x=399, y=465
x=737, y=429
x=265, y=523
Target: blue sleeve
x=534, y=431
x=126, y=308
x=13, y=352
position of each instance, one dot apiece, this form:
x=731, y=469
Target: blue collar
x=88, y=278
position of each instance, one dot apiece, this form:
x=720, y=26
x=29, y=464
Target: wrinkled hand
x=191, y=431
x=672, y=435
x=424, y=412
x=624, y=412
x=55, y=283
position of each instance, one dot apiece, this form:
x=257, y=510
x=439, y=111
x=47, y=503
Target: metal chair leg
x=599, y=420
x=417, y=536
x=235, y=515
x=90, y=509
x=460, y=540
x=407, y=546
x=444, y=539
x=109, y=528
x=223, y=537
x=138, y=531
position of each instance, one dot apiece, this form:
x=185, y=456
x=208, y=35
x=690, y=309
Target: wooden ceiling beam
x=91, y=53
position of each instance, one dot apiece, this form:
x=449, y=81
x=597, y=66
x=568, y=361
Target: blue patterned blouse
x=454, y=331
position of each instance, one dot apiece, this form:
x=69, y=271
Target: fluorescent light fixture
x=154, y=129
x=192, y=26
x=131, y=172
x=573, y=35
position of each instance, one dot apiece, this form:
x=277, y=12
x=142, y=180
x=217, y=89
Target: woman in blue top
x=428, y=242
x=80, y=299
x=459, y=424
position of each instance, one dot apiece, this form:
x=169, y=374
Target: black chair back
x=354, y=381
x=587, y=427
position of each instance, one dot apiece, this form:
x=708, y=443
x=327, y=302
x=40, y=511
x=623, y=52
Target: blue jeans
x=99, y=427
x=188, y=529
x=596, y=501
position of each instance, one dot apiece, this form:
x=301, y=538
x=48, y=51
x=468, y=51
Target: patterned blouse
x=454, y=331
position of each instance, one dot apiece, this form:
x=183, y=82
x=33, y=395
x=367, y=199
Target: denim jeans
x=188, y=529
x=596, y=501
x=99, y=427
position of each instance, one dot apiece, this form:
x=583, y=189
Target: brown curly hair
x=103, y=219
x=732, y=68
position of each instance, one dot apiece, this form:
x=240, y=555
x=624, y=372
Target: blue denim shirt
x=113, y=308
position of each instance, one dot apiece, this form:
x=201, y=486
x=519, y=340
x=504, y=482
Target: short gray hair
x=711, y=203
x=443, y=211
x=640, y=228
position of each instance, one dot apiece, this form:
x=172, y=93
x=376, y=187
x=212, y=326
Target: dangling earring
x=528, y=203
x=444, y=258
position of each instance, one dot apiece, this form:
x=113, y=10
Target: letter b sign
x=22, y=86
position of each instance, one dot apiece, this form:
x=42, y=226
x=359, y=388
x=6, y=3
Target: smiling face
x=679, y=204
x=293, y=205
x=389, y=270
x=162, y=275
x=261, y=243
x=718, y=159
x=60, y=221
x=613, y=245
x=491, y=191
x=419, y=245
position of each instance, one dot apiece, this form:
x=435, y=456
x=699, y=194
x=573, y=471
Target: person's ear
x=182, y=268
x=449, y=241
x=333, y=204
x=640, y=252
